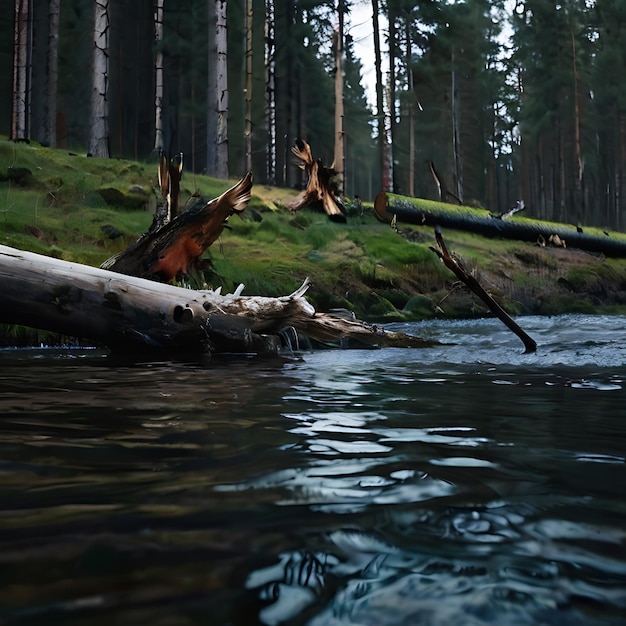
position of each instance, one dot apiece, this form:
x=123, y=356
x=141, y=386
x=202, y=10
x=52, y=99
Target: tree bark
x=339, y=163
x=425, y=213
x=158, y=76
x=131, y=315
x=22, y=43
x=248, y=89
x=411, y=107
x=221, y=90
x=463, y=275
x=270, y=91
x=380, y=107
x=171, y=251
x=321, y=187
x=99, y=130
x=52, y=74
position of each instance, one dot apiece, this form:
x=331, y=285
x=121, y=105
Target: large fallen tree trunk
x=428, y=213
x=130, y=314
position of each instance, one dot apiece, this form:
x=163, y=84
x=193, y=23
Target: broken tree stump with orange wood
x=171, y=251
x=321, y=187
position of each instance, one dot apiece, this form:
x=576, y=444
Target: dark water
x=466, y=484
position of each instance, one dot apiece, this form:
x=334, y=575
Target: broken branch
x=462, y=274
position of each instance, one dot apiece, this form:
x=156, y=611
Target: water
x=462, y=484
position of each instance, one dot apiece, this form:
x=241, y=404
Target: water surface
x=461, y=484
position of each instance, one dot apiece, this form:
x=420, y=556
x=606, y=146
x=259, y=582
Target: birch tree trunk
x=411, y=107
x=221, y=89
x=22, y=42
x=270, y=91
x=99, y=131
x=52, y=74
x=248, y=90
x=158, y=76
x=391, y=92
x=339, y=154
x=217, y=83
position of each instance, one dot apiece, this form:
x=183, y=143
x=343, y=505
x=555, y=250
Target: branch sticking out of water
x=462, y=274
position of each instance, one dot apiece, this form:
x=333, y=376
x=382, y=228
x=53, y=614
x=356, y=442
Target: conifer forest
x=511, y=100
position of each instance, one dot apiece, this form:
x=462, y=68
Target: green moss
x=362, y=265
x=582, y=278
x=419, y=306
x=558, y=303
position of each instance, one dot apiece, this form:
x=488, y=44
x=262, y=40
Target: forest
x=512, y=100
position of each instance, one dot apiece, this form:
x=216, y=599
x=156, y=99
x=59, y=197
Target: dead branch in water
x=462, y=274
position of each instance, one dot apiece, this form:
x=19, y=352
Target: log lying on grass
x=427, y=213
x=130, y=314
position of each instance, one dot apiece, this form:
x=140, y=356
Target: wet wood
x=470, y=281
x=131, y=314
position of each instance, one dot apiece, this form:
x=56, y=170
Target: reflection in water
x=465, y=484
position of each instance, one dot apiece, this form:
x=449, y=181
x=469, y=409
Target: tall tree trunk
x=158, y=76
x=99, y=130
x=22, y=43
x=217, y=79
x=52, y=74
x=339, y=158
x=391, y=16
x=221, y=89
x=579, y=198
x=380, y=107
x=411, y=107
x=270, y=91
x=211, y=114
x=456, y=135
x=248, y=123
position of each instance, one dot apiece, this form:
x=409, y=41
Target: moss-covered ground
x=83, y=209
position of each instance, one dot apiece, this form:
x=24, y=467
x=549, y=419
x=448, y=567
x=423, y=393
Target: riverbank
x=85, y=210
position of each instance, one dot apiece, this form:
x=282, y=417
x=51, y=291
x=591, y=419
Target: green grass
x=67, y=209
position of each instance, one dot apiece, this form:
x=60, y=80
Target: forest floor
x=85, y=210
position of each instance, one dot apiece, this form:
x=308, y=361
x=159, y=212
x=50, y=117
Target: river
x=466, y=483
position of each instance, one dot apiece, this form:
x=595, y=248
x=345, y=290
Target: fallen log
x=131, y=315
x=321, y=186
x=388, y=206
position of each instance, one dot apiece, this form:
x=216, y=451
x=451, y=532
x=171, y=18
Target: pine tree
x=99, y=128
x=22, y=50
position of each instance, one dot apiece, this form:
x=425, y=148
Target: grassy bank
x=82, y=209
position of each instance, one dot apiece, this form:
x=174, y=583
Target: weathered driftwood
x=130, y=314
x=390, y=206
x=170, y=251
x=462, y=274
x=321, y=187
